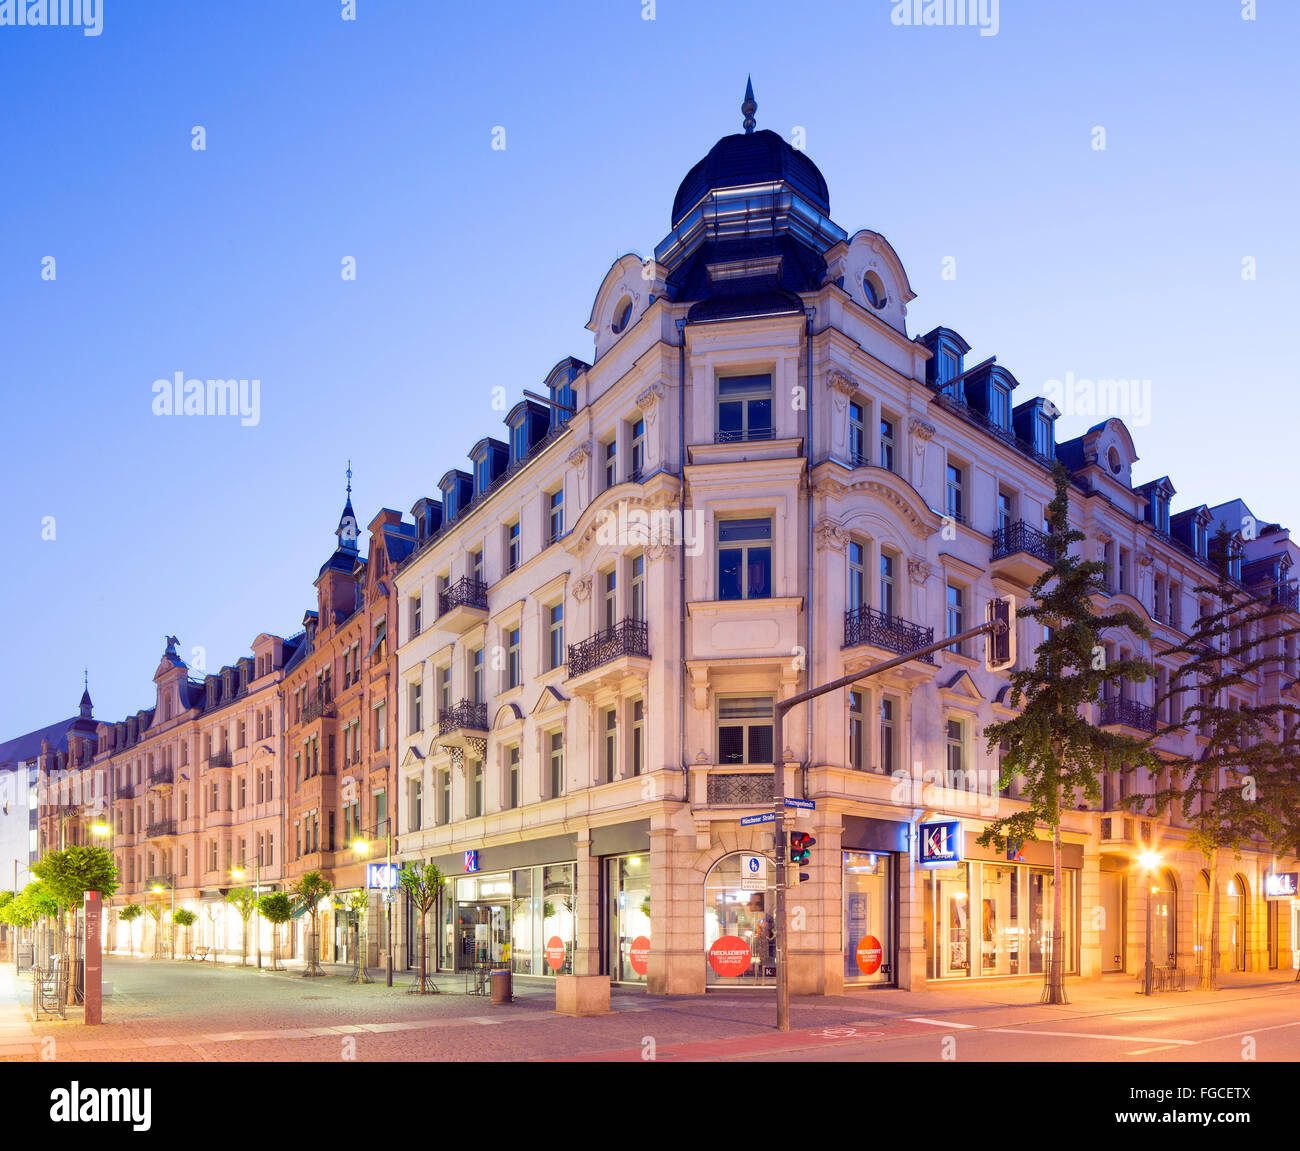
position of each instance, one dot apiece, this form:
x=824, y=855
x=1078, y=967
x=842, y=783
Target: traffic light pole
x=993, y=627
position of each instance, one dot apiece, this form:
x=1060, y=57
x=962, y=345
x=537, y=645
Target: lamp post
x=362, y=847
x=1149, y=860
x=239, y=873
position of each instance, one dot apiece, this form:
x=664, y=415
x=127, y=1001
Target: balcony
x=609, y=655
x=125, y=791
x=1128, y=713
x=865, y=626
x=162, y=777
x=1020, y=552
x=160, y=829
x=166, y=879
x=221, y=759
x=463, y=605
x=743, y=435
x=465, y=725
x=320, y=706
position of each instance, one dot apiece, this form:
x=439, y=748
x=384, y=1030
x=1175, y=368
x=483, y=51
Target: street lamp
x=239, y=873
x=362, y=847
x=1149, y=861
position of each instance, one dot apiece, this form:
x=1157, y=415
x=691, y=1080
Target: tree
x=155, y=908
x=18, y=914
x=423, y=883
x=276, y=908
x=72, y=872
x=185, y=918
x=1244, y=782
x=244, y=901
x=310, y=889
x=37, y=901
x=128, y=915
x=357, y=903
x=1051, y=744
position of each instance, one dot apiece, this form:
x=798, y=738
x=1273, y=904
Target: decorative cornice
x=831, y=536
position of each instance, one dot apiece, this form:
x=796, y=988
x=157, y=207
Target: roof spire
x=347, y=529
x=349, y=478
x=84, y=710
x=750, y=106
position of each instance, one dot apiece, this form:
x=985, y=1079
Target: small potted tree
x=128, y=915
x=185, y=918
x=276, y=908
x=244, y=901
x=422, y=882
x=307, y=894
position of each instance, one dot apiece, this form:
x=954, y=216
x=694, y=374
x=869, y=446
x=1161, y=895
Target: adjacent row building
x=557, y=680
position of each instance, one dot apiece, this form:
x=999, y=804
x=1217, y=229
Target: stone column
x=586, y=948
x=911, y=923
x=1091, y=912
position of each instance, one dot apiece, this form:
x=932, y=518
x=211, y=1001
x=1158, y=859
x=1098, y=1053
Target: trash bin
x=501, y=986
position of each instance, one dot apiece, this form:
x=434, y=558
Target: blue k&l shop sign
x=940, y=844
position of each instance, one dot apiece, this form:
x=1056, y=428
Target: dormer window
x=999, y=407
x=947, y=366
x=1043, y=435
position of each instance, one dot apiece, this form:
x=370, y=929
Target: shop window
x=739, y=935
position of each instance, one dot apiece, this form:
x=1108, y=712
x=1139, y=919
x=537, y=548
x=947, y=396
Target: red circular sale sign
x=870, y=953
x=555, y=953
x=640, y=954
x=730, y=955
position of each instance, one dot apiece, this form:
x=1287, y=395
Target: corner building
x=762, y=482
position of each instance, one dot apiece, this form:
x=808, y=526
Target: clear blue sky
x=475, y=267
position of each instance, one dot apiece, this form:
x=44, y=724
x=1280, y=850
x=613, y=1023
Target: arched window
x=739, y=941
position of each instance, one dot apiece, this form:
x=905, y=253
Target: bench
x=201, y=953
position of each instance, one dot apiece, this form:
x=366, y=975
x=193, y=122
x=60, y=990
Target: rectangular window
x=954, y=494
x=1006, y=511
x=999, y=408
x=415, y=616
x=744, y=408
x=556, y=775
x=745, y=559
x=512, y=771
x=609, y=748
x=476, y=675
x=1123, y=569
x=555, y=516
x=381, y=725
x=611, y=463
x=476, y=788
x=417, y=717
x=636, y=435
x=888, y=564
x=555, y=636
x=514, y=659
x=887, y=444
x=476, y=565
x=609, y=599
x=638, y=736
x=512, y=546
x=857, y=730
x=857, y=553
x=636, y=587
x=956, y=747
x=444, y=689
x=745, y=729
x=444, y=797
x=857, y=435
x=888, y=737
x=955, y=618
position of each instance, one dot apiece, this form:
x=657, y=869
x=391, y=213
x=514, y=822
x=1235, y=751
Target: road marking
x=1249, y=1031
x=941, y=1023
x=1148, y=1050
x=1086, y=1035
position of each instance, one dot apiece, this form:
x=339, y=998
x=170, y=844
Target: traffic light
x=800, y=855
x=1000, y=649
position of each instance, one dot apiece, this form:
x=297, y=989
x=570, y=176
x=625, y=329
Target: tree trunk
x=1210, y=968
x=1055, y=990
x=423, y=944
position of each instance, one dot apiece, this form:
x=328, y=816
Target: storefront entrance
x=524, y=919
x=482, y=935
x=868, y=925
x=1112, y=921
x=739, y=929
x=627, y=883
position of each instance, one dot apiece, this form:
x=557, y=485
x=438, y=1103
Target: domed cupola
x=750, y=224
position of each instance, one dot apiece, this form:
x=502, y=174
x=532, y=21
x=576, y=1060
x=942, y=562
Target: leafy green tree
x=307, y=893
x=244, y=901
x=72, y=872
x=1051, y=743
x=155, y=908
x=185, y=918
x=276, y=908
x=1243, y=782
x=38, y=904
x=356, y=904
x=423, y=883
x=128, y=915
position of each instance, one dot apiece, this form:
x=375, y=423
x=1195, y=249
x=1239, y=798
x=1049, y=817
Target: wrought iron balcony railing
x=125, y=791
x=221, y=759
x=627, y=637
x=1127, y=713
x=1021, y=537
x=464, y=715
x=160, y=827
x=465, y=592
x=161, y=775
x=744, y=435
x=866, y=625
x=318, y=707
